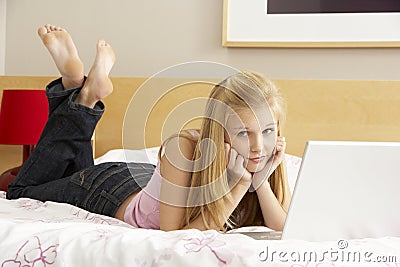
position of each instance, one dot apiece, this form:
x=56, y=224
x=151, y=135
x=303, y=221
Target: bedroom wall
x=151, y=35
x=3, y=9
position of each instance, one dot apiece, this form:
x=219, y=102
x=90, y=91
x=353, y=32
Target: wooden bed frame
x=317, y=110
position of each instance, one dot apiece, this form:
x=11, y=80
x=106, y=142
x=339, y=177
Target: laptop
x=344, y=190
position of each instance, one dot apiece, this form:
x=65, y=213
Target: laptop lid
x=346, y=190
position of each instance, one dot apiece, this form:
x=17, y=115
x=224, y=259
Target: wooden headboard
x=317, y=110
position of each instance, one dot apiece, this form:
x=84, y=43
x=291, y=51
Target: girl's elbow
x=276, y=226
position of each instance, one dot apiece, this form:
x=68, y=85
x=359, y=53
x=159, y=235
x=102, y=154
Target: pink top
x=144, y=209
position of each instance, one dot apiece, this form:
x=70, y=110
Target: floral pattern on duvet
x=33, y=252
x=53, y=234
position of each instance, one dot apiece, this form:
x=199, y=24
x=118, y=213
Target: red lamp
x=23, y=115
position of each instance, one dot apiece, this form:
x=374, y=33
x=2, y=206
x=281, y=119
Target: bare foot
x=98, y=85
x=64, y=53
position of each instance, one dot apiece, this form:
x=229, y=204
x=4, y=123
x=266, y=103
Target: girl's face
x=253, y=135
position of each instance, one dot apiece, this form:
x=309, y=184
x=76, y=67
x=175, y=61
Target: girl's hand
x=235, y=168
x=278, y=155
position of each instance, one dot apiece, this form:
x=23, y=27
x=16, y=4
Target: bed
x=33, y=233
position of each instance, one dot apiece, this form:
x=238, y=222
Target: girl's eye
x=242, y=133
x=267, y=131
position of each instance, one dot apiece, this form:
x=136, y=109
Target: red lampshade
x=23, y=115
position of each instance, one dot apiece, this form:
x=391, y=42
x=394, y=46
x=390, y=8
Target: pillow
x=150, y=155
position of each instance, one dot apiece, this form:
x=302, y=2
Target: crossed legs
x=75, y=108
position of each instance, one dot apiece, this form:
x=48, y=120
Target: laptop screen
x=346, y=190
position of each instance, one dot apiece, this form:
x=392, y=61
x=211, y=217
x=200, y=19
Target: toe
x=42, y=31
x=101, y=43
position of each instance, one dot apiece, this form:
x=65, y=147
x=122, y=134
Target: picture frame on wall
x=311, y=23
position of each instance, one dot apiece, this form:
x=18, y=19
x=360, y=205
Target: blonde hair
x=241, y=90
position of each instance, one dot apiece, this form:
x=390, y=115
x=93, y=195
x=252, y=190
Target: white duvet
x=33, y=233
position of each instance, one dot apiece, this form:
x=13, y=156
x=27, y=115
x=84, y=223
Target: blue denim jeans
x=61, y=166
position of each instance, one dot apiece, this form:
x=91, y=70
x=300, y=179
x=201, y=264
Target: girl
x=228, y=174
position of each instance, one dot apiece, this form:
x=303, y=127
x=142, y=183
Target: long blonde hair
x=241, y=90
